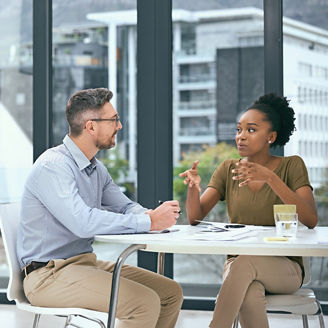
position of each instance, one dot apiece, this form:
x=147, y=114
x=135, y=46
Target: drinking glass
x=286, y=224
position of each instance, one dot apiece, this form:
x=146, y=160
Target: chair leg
x=70, y=323
x=36, y=320
x=98, y=321
x=305, y=321
x=235, y=323
x=321, y=321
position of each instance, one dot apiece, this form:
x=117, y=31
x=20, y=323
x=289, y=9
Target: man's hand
x=191, y=176
x=165, y=215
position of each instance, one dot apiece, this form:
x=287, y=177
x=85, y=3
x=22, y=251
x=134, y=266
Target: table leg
x=160, y=263
x=116, y=279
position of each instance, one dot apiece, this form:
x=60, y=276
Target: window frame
x=154, y=119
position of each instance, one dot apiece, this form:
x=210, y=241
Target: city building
x=218, y=70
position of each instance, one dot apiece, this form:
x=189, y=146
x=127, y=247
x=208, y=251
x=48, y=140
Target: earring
x=270, y=141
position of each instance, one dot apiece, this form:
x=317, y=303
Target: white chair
x=9, y=219
x=303, y=302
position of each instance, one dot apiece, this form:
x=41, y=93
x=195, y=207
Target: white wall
x=16, y=157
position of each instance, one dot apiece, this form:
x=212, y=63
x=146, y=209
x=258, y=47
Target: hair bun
x=274, y=101
x=284, y=124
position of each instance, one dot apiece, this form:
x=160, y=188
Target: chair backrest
x=9, y=219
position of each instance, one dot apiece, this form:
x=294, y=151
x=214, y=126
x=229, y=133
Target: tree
x=209, y=159
x=118, y=169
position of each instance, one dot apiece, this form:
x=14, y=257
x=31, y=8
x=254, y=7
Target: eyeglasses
x=114, y=119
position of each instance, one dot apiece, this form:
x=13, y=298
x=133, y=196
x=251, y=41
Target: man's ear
x=90, y=127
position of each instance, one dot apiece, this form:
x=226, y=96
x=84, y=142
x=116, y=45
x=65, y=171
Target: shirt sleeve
x=113, y=200
x=55, y=186
x=219, y=179
x=297, y=174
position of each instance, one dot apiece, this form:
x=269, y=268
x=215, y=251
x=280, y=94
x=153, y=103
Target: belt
x=34, y=265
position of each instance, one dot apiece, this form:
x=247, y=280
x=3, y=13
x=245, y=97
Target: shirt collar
x=80, y=159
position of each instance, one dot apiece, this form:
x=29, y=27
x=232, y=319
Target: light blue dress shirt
x=67, y=200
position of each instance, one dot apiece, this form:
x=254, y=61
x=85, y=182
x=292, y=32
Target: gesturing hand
x=248, y=171
x=165, y=215
x=191, y=176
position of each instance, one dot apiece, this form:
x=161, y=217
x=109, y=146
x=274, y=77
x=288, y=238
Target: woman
x=251, y=186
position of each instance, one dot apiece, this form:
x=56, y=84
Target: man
x=69, y=197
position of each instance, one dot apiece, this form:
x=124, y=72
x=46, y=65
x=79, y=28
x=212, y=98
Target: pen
x=211, y=226
x=234, y=226
x=160, y=202
x=170, y=230
x=204, y=222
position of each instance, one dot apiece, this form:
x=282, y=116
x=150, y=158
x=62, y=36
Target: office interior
x=181, y=72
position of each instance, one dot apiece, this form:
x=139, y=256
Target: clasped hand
x=191, y=176
x=248, y=172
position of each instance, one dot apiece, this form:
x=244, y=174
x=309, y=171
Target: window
x=305, y=69
x=187, y=38
x=196, y=126
x=16, y=115
x=310, y=99
x=300, y=147
x=313, y=71
x=90, y=52
x=219, y=75
x=300, y=121
x=81, y=43
x=306, y=150
x=301, y=93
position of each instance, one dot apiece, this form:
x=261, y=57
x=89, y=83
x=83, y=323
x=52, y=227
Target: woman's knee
x=242, y=260
x=242, y=264
x=254, y=297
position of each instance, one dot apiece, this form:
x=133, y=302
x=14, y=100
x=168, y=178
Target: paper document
x=202, y=233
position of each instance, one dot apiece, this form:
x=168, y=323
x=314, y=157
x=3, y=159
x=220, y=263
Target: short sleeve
x=219, y=178
x=297, y=174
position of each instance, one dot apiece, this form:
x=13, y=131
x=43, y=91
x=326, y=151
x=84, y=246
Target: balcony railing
x=197, y=104
x=76, y=60
x=200, y=131
x=197, y=78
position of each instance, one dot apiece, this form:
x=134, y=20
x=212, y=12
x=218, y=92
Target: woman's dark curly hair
x=279, y=114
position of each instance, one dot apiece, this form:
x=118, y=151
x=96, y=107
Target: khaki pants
x=145, y=299
x=245, y=281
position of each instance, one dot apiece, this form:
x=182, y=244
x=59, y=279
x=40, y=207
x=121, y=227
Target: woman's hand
x=191, y=176
x=248, y=172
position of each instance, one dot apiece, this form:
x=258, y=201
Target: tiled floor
x=10, y=317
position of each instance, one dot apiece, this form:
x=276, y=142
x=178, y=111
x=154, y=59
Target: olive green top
x=256, y=208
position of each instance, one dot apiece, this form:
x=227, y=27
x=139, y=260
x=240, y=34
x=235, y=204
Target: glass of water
x=286, y=224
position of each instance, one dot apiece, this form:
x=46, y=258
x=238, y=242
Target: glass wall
x=218, y=70
x=16, y=147
x=96, y=47
x=305, y=58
